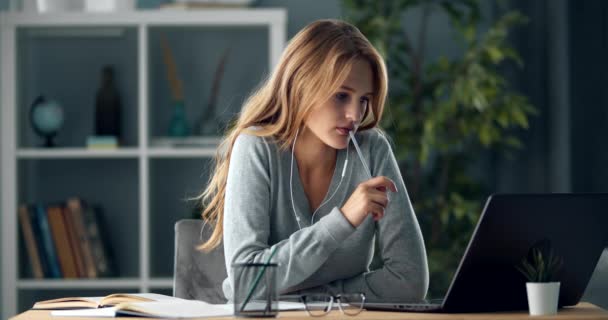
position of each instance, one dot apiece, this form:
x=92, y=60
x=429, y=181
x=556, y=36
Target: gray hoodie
x=327, y=255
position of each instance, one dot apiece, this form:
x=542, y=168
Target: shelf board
x=207, y=17
x=65, y=153
x=161, y=283
x=121, y=153
x=167, y=152
x=99, y=32
x=109, y=283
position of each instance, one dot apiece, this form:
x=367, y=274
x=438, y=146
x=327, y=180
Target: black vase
x=107, y=106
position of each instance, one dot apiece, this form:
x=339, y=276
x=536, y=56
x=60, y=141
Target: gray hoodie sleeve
x=403, y=275
x=247, y=222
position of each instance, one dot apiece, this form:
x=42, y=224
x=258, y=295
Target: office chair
x=597, y=289
x=197, y=275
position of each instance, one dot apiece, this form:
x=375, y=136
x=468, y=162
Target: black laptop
x=486, y=280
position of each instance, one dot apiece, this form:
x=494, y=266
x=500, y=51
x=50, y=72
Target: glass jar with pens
x=255, y=289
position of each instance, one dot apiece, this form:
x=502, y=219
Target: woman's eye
x=364, y=104
x=341, y=96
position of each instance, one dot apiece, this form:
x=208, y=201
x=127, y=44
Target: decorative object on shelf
x=25, y=6
x=206, y=4
x=541, y=268
x=107, y=106
x=102, y=142
x=46, y=118
x=46, y=6
x=178, y=125
x=209, y=121
x=109, y=5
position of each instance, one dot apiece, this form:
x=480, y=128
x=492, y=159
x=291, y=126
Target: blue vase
x=178, y=126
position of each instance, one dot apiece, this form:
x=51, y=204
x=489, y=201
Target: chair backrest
x=197, y=275
x=597, y=289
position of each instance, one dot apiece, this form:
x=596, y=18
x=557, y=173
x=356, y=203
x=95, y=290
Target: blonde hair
x=312, y=67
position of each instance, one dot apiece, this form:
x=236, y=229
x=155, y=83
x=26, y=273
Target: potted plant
x=541, y=268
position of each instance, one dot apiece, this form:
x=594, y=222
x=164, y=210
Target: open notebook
x=166, y=309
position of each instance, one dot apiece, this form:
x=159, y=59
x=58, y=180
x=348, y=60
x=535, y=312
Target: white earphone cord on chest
x=291, y=182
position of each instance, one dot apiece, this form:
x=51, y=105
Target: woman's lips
x=342, y=131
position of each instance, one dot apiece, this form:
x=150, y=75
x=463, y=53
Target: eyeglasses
x=318, y=305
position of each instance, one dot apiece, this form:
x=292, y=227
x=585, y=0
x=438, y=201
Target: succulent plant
x=541, y=265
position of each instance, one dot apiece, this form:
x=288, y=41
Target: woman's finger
x=380, y=198
x=376, y=209
x=381, y=181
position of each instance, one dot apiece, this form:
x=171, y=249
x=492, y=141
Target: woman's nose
x=353, y=112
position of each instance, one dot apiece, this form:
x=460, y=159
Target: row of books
x=65, y=240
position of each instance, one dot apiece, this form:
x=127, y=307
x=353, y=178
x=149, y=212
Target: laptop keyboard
x=411, y=307
x=419, y=306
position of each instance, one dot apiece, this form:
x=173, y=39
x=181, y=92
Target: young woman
x=289, y=182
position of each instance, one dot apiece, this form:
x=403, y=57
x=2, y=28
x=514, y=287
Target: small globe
x=47, y=117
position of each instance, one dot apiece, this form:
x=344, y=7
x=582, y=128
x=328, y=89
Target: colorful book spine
x=62, y=242
x=75, y=208
x=74, y=242
x=47, y=241
x=99, y=250
x=32, y=247
x=46, y=269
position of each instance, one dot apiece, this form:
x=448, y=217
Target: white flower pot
x=542, y=297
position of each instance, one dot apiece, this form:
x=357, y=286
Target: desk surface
x=581, y=311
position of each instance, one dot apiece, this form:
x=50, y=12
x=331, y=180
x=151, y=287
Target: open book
x=166, y=309
x=160, y=309
x=100, y=302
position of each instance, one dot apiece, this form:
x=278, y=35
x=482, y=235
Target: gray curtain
x=564, y=47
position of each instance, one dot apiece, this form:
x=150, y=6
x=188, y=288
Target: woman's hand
x=369, y=198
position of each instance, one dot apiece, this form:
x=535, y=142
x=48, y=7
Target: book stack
x=65, y=240
x=102, y=142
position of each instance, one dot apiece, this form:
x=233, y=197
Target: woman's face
x=345, y=109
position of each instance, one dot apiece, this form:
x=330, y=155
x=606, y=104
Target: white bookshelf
x=76, y=153
x=121, y=153
x=119, y=283
x=141, y=153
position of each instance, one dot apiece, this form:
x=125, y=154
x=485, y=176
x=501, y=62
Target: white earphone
x=291, y=182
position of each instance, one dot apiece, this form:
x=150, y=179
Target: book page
x=117, y=298
x=173, y=309
x=70, y=302
x=100, y=312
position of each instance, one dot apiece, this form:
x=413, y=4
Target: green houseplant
x=443, y=113
x=541, y=268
